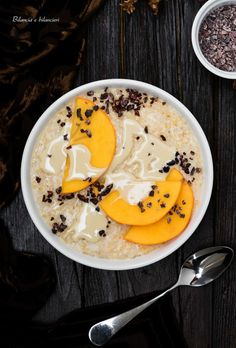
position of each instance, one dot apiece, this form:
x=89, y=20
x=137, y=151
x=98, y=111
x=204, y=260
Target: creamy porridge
x=112, y=168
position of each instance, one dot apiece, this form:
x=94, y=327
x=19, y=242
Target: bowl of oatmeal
x=117, y=174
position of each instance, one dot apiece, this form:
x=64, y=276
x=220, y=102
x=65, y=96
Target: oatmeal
x=114, y=173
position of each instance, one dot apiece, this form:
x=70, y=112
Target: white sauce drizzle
x=53, y=159
x=130, y=130
x=130, y=189
x=80, y=167
x=89, y=223
x=150, y=157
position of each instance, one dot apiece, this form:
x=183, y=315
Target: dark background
x=156, y=50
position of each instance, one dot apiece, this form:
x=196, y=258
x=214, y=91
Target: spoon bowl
x=199, y=269
x=205, y=265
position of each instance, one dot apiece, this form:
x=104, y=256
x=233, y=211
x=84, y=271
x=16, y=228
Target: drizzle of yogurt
x=151, y=156
x=130, y=189
x=130, y=130
x=88, y=224
x=80, y=167
x=53, y=159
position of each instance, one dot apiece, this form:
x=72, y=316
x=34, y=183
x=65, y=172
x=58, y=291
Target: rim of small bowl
x=208, y=7
x=115, y=264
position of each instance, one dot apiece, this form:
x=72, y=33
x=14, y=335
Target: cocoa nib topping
x=58, y=227
x=92, y=196
x=88, y=113
x=151, y=193
x=94, y=201
x=90, y=93
x=62, y=124
x=171, y=163
x=87, y=132
x=107, y=190
x=58, y=190
x=69, y=112
x=163, y=138
x=63, y=218
x=98, y=185
x=146, y=129
x=62, y=197
x=82, y=198
x=69, y=147
x=140, y=205
x=68, y=196
x=38, y=179
x=166, y=169
x=153, y=99
x=132, y=101
x=178, y=210
x=102, y=233
x=96, y=107
x=65, y=137
x=79, y=115
x=89, y=179
x=184, y=163
x=47, y=198
x=103, y=96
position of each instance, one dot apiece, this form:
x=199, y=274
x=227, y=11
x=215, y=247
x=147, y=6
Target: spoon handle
x=102, y=332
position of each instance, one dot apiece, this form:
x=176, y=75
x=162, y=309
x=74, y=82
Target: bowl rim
x=102, y=263
x=208, y=7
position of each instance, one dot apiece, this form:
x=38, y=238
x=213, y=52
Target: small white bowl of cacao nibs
x=214, y=37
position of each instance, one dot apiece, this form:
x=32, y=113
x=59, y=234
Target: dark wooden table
x=156, y=50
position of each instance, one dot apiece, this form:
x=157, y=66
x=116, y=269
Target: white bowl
x=208, y=7
x=164, y=249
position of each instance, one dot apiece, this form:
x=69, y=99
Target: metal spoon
x=199, y=269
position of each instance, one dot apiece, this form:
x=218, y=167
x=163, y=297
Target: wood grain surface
x=156, y=50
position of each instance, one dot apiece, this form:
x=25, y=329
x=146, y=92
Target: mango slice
x=150, y=210
x=172, y=224
x=92, y=128
x=174, y=175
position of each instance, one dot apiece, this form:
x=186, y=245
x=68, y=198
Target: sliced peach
x=171, y=225
x=150, y=210
x=100, y=140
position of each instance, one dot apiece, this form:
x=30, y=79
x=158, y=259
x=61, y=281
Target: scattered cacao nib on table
x=217, y=38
